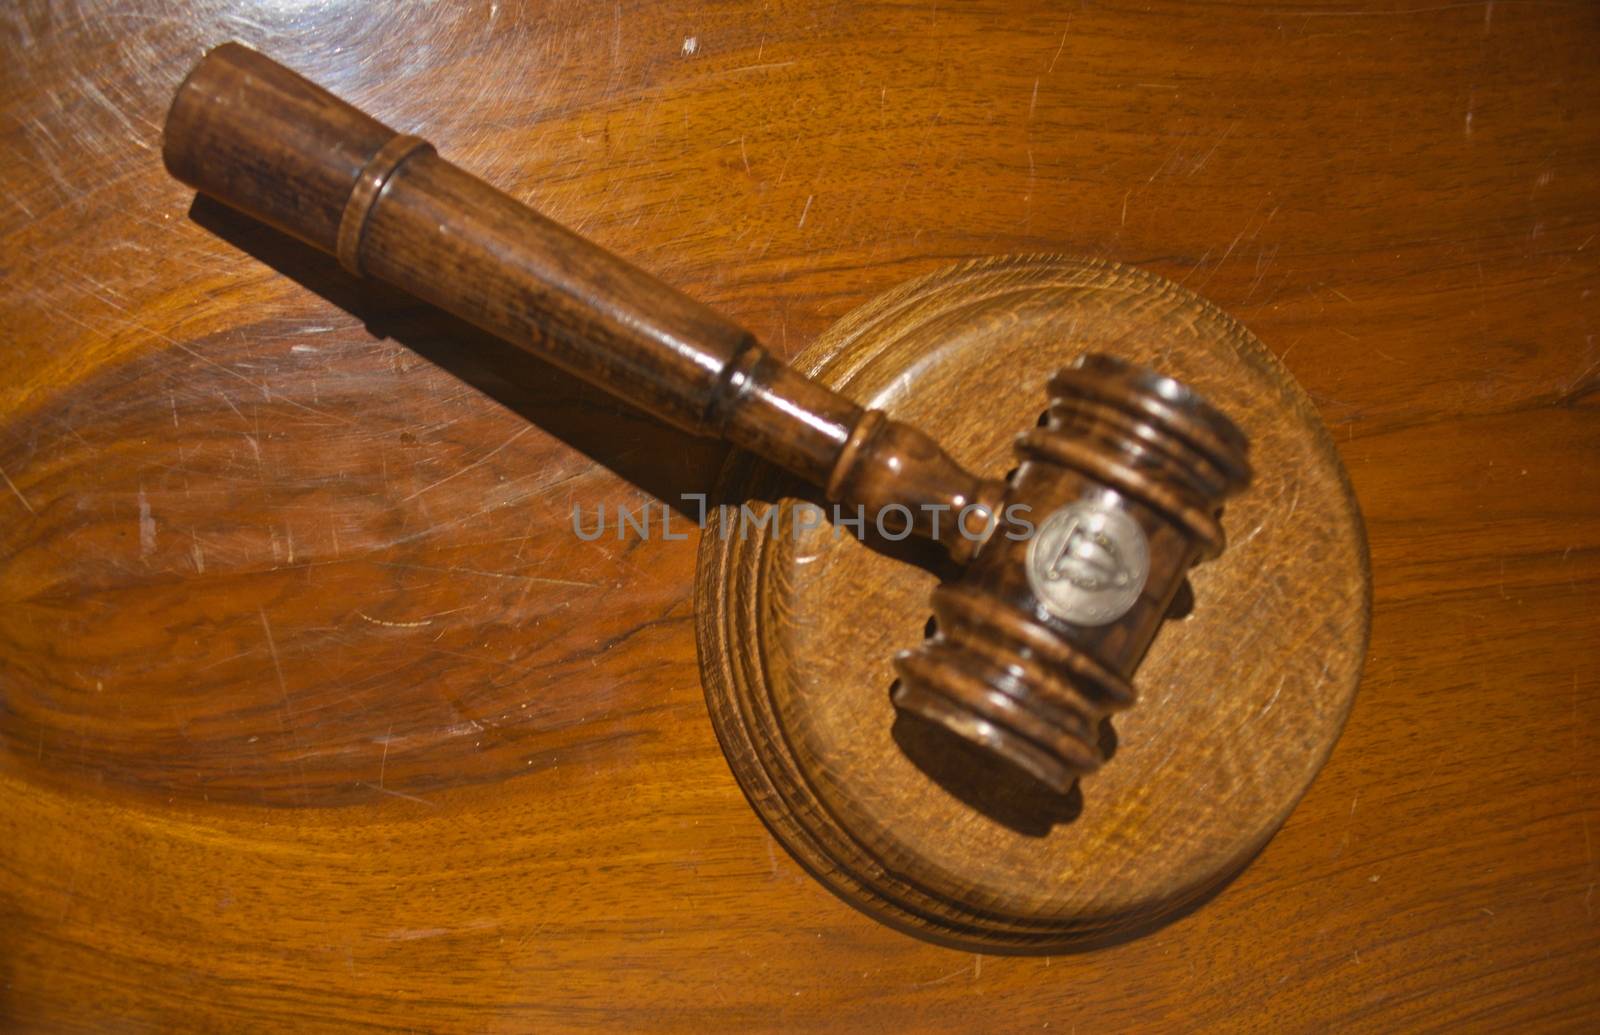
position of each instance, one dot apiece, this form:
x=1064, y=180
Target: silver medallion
x=1088, y=562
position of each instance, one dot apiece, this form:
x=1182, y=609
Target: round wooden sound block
x=1241, y=697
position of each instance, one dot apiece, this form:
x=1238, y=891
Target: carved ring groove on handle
x=365, y=193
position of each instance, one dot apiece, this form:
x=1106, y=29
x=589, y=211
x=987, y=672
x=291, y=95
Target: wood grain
x=1399, y=199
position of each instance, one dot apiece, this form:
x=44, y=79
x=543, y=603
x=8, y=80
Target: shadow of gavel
x=1068, y=567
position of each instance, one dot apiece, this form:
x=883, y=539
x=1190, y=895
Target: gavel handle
x=258, y=137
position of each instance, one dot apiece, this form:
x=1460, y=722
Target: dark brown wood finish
x=251, y=133
x=315, y=714
x=1026, y=684
x=1033, y=685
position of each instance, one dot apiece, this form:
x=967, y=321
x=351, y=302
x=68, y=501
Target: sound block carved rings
x=1242, y=700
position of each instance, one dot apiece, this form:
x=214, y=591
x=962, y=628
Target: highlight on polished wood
x=316, y=714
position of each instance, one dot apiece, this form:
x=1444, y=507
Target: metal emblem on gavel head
x=1070, y=566
x=1039, y=638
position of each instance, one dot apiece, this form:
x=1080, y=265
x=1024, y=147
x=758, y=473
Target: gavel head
x=1118, y=493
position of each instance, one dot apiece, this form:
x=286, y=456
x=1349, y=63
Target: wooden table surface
x=314, y=713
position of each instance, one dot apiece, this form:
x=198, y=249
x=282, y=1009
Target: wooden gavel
x=1070, y=565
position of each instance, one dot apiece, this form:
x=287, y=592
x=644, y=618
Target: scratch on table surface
x=453, y=570
x=147, y=527
x=396, y=625
x=1060, y=46
x=398, y=794
x=16, y=491
x=277, y=666
x=760, y=67
x=1261, y=527
x=1199, y=264
x=424, y=932
x=485, y=458
x=805, y=211
x=1386, y=13
x=1583, y=374
x=1283, y=679
x=1207, y=157
x=940, y=980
